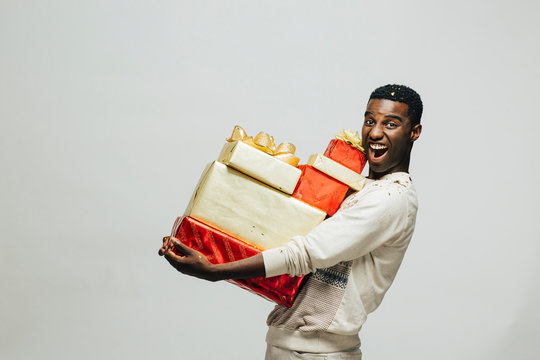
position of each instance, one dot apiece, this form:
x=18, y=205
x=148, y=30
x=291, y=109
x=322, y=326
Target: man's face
x=387, y=136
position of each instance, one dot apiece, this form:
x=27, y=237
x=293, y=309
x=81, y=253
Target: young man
x=353, y=255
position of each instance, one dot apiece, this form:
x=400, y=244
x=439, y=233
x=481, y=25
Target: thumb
x=181, y=247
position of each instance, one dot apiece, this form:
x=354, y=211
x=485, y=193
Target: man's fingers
x=166, y=245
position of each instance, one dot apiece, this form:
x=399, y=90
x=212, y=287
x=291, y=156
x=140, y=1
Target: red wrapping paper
x=346, y=155
x=220, y=248
x=320, y=190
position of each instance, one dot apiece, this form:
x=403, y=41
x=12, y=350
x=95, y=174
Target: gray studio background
x=110, y=110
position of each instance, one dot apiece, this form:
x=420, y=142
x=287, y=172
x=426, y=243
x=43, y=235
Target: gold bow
x=265, y=143
x=351, y=138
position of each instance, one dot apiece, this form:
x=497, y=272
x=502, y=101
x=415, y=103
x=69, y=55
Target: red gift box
x=220, y=248
x=346, y=155
x=320, y=190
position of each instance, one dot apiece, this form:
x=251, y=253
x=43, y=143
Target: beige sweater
x=354, y=257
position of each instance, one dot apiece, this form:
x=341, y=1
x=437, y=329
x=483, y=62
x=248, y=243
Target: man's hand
x=191, y=263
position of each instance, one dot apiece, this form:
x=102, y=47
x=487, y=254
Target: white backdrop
x=109, y=111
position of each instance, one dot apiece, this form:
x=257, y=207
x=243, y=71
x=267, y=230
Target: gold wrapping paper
x=259, y=165
x=248, y=209
x=265, y=143
x=339, y=172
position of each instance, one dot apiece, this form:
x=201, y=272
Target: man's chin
x=377, y=165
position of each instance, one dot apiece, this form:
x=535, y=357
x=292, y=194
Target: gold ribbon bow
x=352, y=138
x=265, y=143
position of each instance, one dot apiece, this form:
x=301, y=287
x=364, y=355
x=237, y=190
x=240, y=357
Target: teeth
x=377, y=146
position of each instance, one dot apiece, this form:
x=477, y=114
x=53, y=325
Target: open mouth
x=377, y=150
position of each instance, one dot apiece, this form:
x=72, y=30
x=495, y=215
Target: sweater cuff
x=274, y=262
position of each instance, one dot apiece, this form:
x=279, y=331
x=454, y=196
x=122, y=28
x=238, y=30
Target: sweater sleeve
x=378, y=218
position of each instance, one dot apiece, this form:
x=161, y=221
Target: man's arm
x=195, y=264
x=380, y=217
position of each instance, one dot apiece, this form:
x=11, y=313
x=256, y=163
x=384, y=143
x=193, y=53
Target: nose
x=376, y=132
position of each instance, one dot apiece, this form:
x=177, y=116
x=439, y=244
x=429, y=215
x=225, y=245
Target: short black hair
x=402, y=94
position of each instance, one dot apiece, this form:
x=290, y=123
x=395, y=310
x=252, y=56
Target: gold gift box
x=260, y=165
x=339, y=172
x=248, y=209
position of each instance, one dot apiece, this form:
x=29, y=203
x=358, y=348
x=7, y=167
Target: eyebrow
x=394, y=117
x=386, y=116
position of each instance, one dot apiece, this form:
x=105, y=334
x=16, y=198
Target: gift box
x=339, y=172
x=220, y=248
x=260, y=165
x=346, y=155
x=320, y=190
x=250, y=210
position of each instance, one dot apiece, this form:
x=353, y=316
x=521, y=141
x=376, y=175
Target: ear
x=415, y=132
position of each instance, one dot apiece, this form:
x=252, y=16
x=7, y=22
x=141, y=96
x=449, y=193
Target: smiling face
x=387, y=136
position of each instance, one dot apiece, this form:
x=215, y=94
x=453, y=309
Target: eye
x=391, y=125
x=369, y=122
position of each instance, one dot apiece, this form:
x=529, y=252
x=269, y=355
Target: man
x=354, y=255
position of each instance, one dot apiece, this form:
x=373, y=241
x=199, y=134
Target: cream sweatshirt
x=354, y=257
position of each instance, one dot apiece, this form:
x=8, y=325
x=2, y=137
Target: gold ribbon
x=352, y=138
x=266, y=143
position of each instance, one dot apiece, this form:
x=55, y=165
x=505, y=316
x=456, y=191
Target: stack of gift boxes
x=255, y=197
